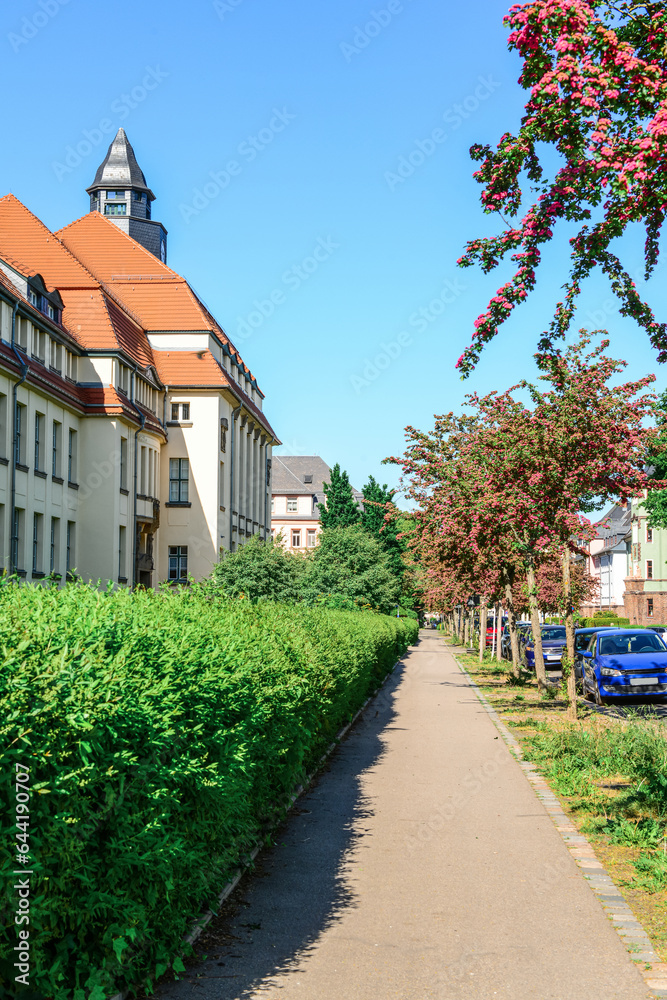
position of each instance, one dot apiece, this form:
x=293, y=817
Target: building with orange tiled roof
x=133, y=443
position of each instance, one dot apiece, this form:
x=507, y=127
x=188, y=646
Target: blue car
x=582, y=639
x=553, y=644
x=624, y=663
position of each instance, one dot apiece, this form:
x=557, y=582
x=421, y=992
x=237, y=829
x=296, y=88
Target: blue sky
x=311, y=165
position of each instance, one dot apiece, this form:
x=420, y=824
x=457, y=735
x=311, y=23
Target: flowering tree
x=513, y=480
x=597, y=75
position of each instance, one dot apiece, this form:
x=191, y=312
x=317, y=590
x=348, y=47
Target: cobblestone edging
x=202, y=922
x=612, y=900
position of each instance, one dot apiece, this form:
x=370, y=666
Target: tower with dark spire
x=120, y=192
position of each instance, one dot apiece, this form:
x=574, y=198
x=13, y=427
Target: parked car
x=553, y=643
x=490, y=625
x=582, y=638
x=624, y=663
x=505, y=644
x=660, y=629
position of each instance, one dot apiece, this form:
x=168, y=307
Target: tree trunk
x=542, y=685
x=466, y=626
x=568, y=668
x=482, y=629
x=511, y=620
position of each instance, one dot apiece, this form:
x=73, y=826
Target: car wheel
x=599, y=700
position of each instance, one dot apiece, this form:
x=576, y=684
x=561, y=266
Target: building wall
x=639, y=588
x=284, y=523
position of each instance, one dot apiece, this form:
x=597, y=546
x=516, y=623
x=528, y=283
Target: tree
x=597, y=75
x=350, y=563
x=655, y=503
x=513, y=480
x=341, y=508
x=380, y=518
x=260, y=571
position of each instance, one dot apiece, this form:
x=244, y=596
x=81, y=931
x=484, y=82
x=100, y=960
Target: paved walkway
x=421, y=865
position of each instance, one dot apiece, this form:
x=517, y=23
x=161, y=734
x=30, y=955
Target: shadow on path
x=300, y=886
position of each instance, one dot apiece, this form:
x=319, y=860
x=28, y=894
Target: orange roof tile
x=189, y=368
x=199, y=369
x=27, y=243
x=108, y=252
x=114, y=291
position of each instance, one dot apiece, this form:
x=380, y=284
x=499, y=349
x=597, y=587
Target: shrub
x=163, y=732
x=350, y=563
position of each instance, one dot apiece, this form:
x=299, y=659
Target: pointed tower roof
x=120, y=167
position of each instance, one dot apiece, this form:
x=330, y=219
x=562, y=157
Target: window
x=179, y=475
x=71, y=529
x=17, y=538
x=139, y=196
x=273, y=506
x=71, y=456
x=34, y=298
x=124, y=379
x=54, y=554
x=23, y=331
x=221, y=485
x=649, y=608
x=649, y=569
x=39, y=344
x=115, y=194
x=312, y=538
x=119, y=209
x=56, y=356
x=71, y=366
x=178, y=563
x=56, y=446
x=19, y=444
x=39, y=441
x=37, y=522
x=649, y=534
x=180, y=411
x=123, y=463
x=292, y=506
x=296, y=539
x=142, y=471
x=122, y=575
x=3, y=424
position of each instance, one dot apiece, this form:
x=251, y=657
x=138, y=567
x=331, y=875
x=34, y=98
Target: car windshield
x=553, y=633
x=637, y=642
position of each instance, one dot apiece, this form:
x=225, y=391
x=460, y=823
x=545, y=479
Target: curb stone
x=201, y=922
x=610, y=897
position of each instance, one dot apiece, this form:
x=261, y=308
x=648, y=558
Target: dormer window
x=34, y=298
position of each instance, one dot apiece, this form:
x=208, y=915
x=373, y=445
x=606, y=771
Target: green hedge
x=164, y=732
x=604, y=620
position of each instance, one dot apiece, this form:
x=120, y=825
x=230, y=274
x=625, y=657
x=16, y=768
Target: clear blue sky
x=314, y=105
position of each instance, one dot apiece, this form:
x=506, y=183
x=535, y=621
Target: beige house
x=297, y=492
x=133, y=444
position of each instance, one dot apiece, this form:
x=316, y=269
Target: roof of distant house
x=301, y=475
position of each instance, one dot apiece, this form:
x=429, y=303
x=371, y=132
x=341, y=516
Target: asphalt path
x=420, y=865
